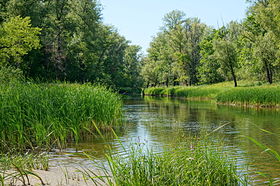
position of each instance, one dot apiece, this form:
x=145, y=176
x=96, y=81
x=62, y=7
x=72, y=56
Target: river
x=165, y=122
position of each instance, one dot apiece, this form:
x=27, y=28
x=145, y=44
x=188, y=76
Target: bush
x=10, y=74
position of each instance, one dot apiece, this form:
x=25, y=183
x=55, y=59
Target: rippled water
x=165, y=123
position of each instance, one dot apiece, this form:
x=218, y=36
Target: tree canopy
x=67, y=40
x=188, y=52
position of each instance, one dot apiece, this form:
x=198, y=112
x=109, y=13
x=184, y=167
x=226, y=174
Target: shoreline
x=214, y=100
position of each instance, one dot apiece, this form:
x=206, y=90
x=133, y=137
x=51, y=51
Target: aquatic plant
x=185, y=165
x=272, y=152
x=195, y=162
x=249, y=94
x=257, y=96
x=15, y=169
x=186, y=92
x=48, y=115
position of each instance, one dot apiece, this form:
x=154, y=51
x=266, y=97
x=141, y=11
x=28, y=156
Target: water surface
x=164, y=122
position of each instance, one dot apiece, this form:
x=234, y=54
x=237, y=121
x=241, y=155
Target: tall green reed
x=195, y=162
x=48, y=115
x=267, y=149
x=186, y=92
x=257, y=96
x=18, y=169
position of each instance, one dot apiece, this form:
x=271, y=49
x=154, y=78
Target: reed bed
x=198, y=166
x=253, y=96
x=248, y=94
x=189, y=164
x=35, y=116
x=186, y=92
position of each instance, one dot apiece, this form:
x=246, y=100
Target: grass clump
x=18, y=169
x=199, y=166
x=198, y=163
x=248, y=94
x=10, y=74
x=256, y=96
x=48, y=115
x=186, y=92
x=25, y=161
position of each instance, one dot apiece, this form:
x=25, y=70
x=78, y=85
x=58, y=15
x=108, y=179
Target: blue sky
x=139, y=20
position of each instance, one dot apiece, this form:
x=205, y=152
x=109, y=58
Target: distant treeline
x=188, y=52
x=66, y=40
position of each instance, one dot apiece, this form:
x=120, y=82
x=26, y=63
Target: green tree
x=209, y=69
x=18, y=38
x=262, y=37
x=265, y=50
x=226, y=55
x=132, y=63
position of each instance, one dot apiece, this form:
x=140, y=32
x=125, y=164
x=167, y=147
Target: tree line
x=188, y=52
x=66, y=40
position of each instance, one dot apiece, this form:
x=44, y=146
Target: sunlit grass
x=49, y=115
x=248, y=93
x=257, y=96
x=17, y=168
x=197, y=161
x=196, y=164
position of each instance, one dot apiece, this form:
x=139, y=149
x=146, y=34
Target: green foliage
x=17, y=169
x=187, y=52
x=174, y=53
x=202, y=92
x=18, y=37
x=258, y=96
x=47, y=116
x=249, y=94
x=76, y=45
x=189, y=164
x=131, y=74
x=261, y=39
x=27, y=161
x=10, y=74
x=226, y=55
x=209, y=69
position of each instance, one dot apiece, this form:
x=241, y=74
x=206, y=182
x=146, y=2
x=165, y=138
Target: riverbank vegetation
x=18, y=169
x=247, y=94
x=198, y=162
x=49, y=115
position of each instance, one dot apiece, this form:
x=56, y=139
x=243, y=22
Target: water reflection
x=166, y=122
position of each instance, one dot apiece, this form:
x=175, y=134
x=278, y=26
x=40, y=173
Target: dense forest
x=66, y=40
x=188, y=52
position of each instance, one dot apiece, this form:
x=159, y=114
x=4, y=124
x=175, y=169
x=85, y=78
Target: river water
x=164, y=122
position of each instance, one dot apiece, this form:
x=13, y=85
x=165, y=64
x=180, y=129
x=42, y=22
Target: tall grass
x=275, y=153
x=249, y=94
x=198, y=161
x=185, y=165
x=15, y=169
x=258, y=96
x=186, y=92
x=48, y=115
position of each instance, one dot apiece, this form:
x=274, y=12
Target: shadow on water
x=165, y=122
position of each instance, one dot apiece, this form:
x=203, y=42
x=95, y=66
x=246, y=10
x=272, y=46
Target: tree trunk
x=233, y=76
x=167, y=82
x=268, y=72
